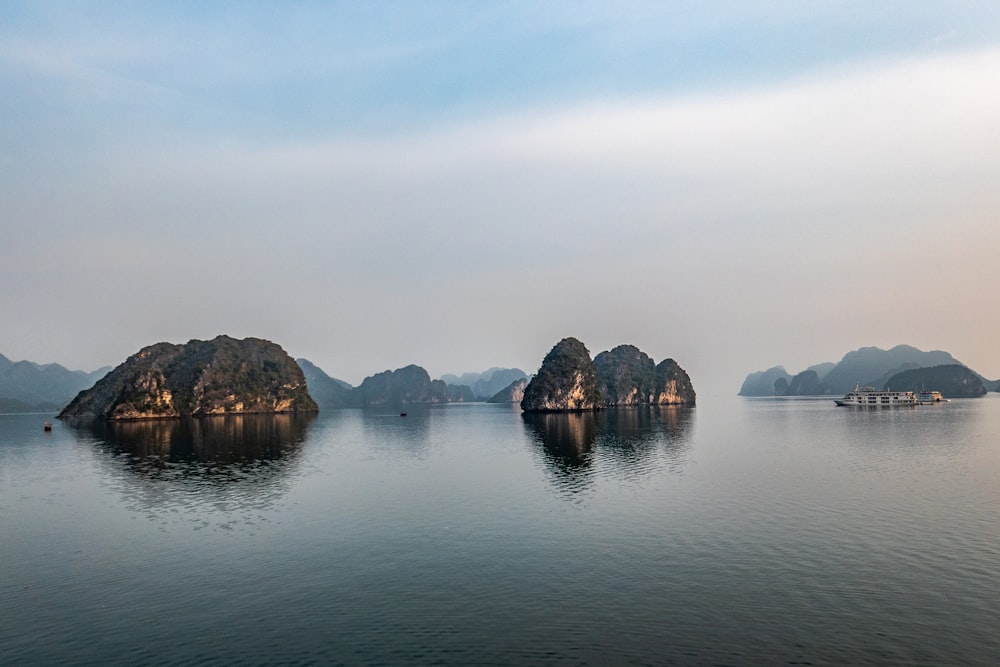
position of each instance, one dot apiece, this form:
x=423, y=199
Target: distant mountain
x=484, y=385
x=871, y=366
x=867, y=366
x=403, y=386
x=822, y=369
x=29, y=387
x=952, y=380
x=219, y=376
x=762, y=383
x=460, y=393
x=512, y=393
x=328, y=392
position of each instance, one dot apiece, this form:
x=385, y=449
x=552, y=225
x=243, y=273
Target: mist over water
x=742, y=531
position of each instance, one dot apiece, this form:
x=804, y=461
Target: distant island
x=872, y=367
x=569, y=380
x=220, y=376
x=410, y=385
x=952, y=380
x=26, y=386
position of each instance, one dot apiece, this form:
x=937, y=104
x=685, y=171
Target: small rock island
x=221, y=376
x=569, y=380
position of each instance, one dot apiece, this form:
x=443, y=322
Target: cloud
x=689, y=225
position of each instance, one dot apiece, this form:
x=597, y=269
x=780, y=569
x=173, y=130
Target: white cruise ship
x=869, y=397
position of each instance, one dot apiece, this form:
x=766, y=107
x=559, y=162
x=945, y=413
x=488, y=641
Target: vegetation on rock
x=623, y=376
x=565, y=381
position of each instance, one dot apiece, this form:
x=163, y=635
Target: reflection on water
x=219, y=471
x=636, y=438
x=404, y=430
x=219, y=439
x=632, y=440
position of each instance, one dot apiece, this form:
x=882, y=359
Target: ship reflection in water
x=620, y=441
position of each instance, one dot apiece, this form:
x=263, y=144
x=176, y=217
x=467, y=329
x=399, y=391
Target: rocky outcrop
x=219, y=376
x=672, y=385
x=512, y=393
x=625, y=376
x=622, y=377
x=565, y=381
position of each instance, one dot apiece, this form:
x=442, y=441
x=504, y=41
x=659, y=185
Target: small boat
x=402, y=414
x=931, y=397
x=869, y=397
x=47, y=426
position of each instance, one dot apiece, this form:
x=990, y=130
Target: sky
x=460, y=185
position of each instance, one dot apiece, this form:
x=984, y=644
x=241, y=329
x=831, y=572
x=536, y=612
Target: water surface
x=739, y=532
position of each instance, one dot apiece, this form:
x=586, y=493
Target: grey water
x=738, y=532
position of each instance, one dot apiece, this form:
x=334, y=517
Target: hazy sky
x=461, y=184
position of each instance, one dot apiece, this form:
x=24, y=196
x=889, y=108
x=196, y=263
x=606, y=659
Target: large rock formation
x=565, y=381
x=219, y=376
x=952, y=380
x=672, y=385
x=623, y=376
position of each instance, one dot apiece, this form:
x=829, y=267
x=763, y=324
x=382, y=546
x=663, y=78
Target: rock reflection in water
x=567, y=442
x=635, y=438
x=399, y=429
x=221, y=473
x=219, y=439
x=632, y=441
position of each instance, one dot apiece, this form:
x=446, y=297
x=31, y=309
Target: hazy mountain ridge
x=866, y=366
x=486, y=384
x=952, y=380
x=27, y=386
x=410, y=385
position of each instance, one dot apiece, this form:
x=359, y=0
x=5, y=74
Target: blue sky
x=461, y=184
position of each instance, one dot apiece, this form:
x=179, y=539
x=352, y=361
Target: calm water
x=739, y=532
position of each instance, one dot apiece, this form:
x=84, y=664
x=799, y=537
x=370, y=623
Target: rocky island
x=569, y=380
x=216, y=377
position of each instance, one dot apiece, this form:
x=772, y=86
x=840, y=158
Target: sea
x=737, y=532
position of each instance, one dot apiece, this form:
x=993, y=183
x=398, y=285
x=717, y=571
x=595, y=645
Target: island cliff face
x=566, y=381
x=215, y=377
x=624, y=376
